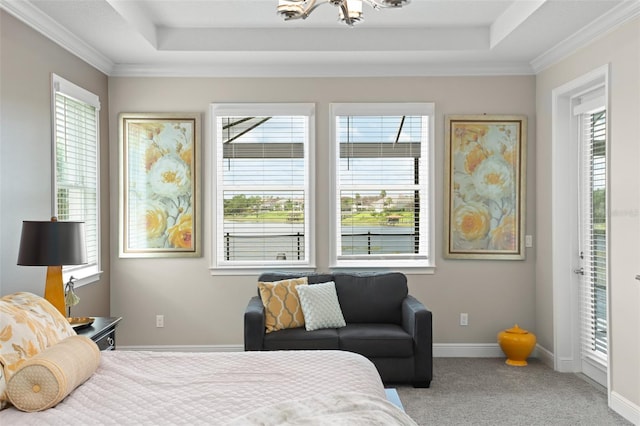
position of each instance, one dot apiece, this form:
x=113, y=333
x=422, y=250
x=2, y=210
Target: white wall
x=201, y=309
x=621, y=50
x=27, y=60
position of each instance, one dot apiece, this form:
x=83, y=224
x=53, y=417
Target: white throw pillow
x=320, y=306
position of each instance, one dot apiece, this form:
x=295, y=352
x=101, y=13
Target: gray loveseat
x=384, y=323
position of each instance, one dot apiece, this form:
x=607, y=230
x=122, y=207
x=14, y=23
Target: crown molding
x=39, y=21
x=324, y=70
x=603, y=25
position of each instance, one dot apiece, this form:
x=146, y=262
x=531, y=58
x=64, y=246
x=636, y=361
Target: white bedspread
x=348, y=409
x=161, y=388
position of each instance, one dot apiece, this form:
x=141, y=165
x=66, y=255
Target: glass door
x=593, y=244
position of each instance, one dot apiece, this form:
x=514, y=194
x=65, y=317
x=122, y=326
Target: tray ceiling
x=247, y=38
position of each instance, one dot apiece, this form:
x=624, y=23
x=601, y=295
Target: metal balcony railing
x=291, y=246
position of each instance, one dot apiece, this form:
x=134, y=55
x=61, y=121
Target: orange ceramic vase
x=517, y=344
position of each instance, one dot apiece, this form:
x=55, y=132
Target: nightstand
x=102, y=331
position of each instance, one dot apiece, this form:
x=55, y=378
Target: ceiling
x=247, y=38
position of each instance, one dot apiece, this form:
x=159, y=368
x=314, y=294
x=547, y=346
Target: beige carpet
x=486, y=391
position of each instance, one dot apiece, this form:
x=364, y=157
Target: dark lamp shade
x=52, y=243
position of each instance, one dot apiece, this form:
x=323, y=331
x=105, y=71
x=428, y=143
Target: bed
x=216, y=388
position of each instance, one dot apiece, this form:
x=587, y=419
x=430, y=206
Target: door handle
x=638, y=277
x=579, y=271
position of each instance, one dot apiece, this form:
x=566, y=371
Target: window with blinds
x=263, y=192
x=75, y=139
x=592, y=117
x=382, y=191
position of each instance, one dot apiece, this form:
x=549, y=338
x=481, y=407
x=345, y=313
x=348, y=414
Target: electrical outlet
x=464, y=319
x=159, y=321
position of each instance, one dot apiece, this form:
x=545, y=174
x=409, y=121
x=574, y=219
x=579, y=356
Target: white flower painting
x=160, y=181
x=485, y=179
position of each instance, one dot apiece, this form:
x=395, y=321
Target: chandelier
x=350, y=11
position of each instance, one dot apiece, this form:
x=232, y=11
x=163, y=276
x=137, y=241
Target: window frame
x=84, y=274
x=223, y=267
x=413, y=264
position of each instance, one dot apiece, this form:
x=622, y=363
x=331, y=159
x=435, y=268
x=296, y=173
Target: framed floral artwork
x=160, y=185
x=485, y=186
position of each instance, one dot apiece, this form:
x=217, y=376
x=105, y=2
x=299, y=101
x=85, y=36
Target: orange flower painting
x=160, y=184
x=485, y=186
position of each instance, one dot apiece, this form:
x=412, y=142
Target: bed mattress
x=135, y=387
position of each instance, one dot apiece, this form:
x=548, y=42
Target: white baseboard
x=625, y=408
x=482, y=350
x=467, y=350
x=440, y=350
x=545, y=355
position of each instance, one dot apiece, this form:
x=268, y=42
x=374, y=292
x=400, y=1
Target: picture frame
x=485, y=186
x=160, y=185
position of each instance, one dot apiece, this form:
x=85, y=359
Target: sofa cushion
x=376, y=340
x=299, y=338
x=371, y=298
x=312, y=277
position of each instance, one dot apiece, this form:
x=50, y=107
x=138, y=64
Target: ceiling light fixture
x=350, y=11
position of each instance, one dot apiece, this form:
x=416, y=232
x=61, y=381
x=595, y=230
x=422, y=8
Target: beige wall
x=27, y=60
x=201, y=309
x=621, y=50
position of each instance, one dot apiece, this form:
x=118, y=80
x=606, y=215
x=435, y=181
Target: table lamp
x=52, y=244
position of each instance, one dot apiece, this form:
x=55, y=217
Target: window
x=76, y=195
x=262, y=182
x=383, y=200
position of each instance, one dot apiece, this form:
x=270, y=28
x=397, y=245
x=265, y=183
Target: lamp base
x=54, y=289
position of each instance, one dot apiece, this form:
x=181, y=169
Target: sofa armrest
x=254, y=325
x=417, y=321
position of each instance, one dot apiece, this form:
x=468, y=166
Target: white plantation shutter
x=263, y=199
x=382, y=157
x=592, y=117
x=75, y=128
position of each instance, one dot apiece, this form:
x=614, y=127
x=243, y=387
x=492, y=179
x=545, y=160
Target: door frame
x=564, y=202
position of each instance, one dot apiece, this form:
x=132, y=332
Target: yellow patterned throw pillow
x=29, y=324
x=282, y=304
x=45, y=379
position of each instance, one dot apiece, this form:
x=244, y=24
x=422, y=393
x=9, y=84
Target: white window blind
x=382, y=211
x=75, y=128
x=592, y=118
x=263, y=199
